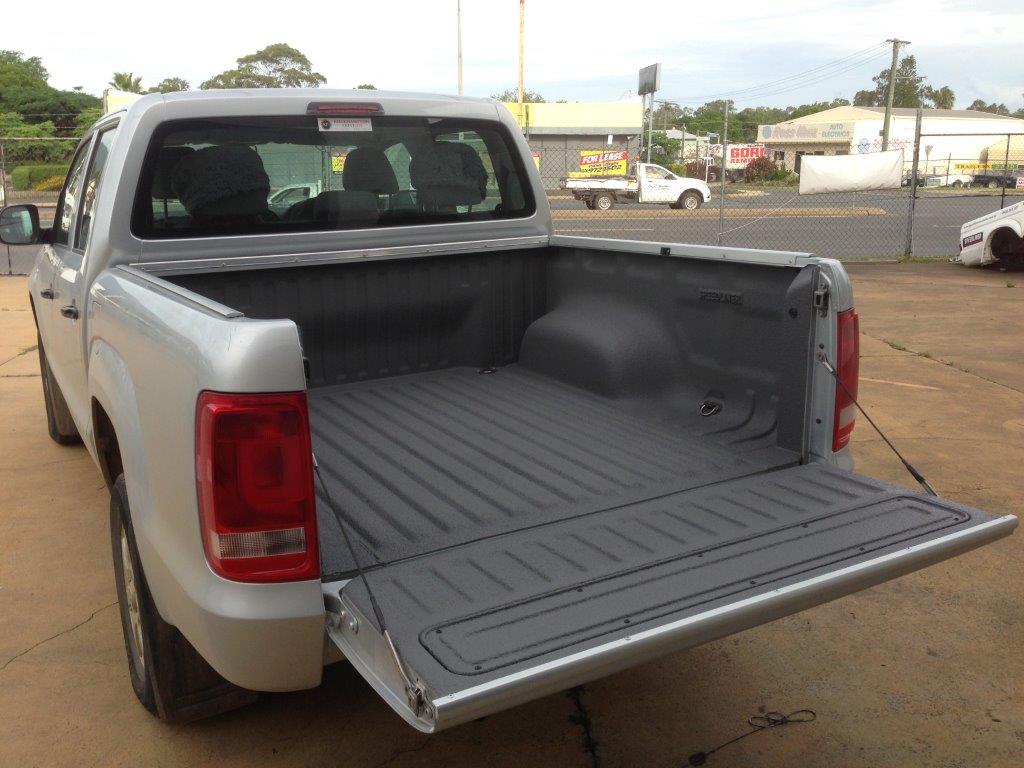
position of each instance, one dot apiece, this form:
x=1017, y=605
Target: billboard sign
x=600, y=162
x=793, y=133
x=650, y=80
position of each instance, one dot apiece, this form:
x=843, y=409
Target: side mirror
x=19, y=225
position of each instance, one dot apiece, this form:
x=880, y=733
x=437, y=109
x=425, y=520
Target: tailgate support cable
x=414, y=694
x=910, y=467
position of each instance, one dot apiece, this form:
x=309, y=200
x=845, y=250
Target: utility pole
x=522, y=32
x=891, y=90
x=458, y=28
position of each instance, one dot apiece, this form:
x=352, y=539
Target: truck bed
x=438, y=459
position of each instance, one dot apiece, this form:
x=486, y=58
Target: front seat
x=223, y=187
x=367, y=169
x=448, y=174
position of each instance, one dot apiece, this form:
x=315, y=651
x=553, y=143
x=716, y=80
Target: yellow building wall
x=596, y=115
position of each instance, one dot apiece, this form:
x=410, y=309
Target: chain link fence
x=956, y=178
x=921, y=218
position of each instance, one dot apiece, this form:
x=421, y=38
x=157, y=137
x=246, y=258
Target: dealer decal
x=977, y=237
x=344, y=123
x=721, y=297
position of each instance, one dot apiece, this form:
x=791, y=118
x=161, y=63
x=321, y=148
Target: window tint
x=70, y=196
x=92, y=185
x=276, y=174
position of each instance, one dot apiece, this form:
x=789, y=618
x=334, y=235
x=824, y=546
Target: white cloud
x=574, y=50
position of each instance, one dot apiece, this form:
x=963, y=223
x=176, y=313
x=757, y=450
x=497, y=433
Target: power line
x=798, y=79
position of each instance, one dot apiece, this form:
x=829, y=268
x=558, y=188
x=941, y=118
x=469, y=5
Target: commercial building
x=558, y=132
x=949, y=136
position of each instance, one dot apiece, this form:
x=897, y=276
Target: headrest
x=166, y=162
x=448, y=173
x=222, y=180
x=367, y=170
x=346, y=206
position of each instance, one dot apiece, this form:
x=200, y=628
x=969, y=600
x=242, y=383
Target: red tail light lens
x=847, y=370
x=254, y=475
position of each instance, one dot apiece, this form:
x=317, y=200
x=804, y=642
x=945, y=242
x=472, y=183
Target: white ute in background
x=994, y=238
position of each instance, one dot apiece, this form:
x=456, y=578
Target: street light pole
x=458, y=28
x=891, y=90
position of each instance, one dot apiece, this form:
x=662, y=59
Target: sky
x=574, y=50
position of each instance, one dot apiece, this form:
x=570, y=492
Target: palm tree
x=126, y=81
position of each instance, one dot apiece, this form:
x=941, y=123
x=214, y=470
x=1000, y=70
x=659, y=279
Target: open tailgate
x=486, y=625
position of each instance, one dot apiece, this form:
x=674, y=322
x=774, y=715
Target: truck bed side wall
x=626, y=326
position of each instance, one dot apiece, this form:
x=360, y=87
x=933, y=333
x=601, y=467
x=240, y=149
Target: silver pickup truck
x=403, y=424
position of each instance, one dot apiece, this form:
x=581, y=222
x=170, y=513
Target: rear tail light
x=847, y=371
x=254, y=476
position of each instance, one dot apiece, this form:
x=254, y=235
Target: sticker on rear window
x=345, y=123
x=972, y=239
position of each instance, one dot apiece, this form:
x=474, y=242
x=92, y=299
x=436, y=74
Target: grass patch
x=895, y=345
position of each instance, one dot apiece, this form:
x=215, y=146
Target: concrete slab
x=923, y=671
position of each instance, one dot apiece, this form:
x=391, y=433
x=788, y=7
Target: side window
x=70, y=196
x=92, y=185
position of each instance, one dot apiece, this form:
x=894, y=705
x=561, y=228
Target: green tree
x=710, y=118
x=940, y=98
x=24, y=91
x=126, y=81
x=276, y=66
x=366, y=87
x=996, y=109
x=32, y=66
x=512, y=94
x=12, y=124
x=910, y=89
x=663, y=149
x=87, y=117
x=170, y=85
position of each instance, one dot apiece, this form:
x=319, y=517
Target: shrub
x=52, y=184
x=762, y=169
x=25, y=177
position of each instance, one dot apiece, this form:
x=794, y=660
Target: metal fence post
x=1005, y=176
x=721, y=173
x=909, y=248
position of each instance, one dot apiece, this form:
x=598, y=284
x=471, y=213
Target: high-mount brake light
x=343, y=109
x=254, y=478
x=847, y=372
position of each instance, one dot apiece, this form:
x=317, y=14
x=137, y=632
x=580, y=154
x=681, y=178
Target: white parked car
x=648, y=183
x=995, y=237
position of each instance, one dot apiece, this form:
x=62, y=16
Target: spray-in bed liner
x=427, y=461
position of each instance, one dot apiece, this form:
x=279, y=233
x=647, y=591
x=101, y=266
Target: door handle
x=46, y=293
x=70, y=312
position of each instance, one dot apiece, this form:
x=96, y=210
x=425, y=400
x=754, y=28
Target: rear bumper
x=626, y=652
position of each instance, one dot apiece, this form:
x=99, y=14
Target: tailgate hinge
x=820, y=300
x=414, y=694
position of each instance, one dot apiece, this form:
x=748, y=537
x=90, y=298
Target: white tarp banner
x=851, y=173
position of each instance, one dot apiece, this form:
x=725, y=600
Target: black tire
x=168, y=675
x=603, y=201
x=690, y=201
x=712, y=176
x=59, y=423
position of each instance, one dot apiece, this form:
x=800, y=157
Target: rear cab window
x=258, y=175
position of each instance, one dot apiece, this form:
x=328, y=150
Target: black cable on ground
x=757, y=723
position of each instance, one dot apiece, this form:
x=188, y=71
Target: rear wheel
x=59, y=423
x=169, y=677
x=603, y=201
x=690, y=201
